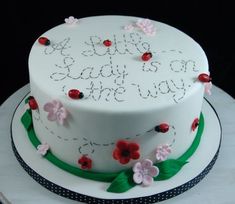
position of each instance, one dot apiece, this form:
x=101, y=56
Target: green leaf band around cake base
x=121, y=181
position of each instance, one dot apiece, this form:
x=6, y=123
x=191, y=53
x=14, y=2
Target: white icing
x=124, y=97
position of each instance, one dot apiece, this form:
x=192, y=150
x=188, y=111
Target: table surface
x=218, y=187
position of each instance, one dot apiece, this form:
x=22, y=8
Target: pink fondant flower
x=43, y=148
x=71, y=20
x=144, y=172
x=162, y=152
x=208, y=87
x=146, y=26
x=56, y=111
x=129, y=27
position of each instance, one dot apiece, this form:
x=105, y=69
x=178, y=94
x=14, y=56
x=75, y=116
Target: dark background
x=210, y=23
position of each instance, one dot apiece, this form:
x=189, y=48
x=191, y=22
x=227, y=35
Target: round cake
x=112, y=91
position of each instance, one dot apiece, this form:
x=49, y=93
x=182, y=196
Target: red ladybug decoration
x=195, y=124
x=33, y=103
x=107, y=43
x=44, y=41
x=146, y=56
x=75, y=94
x=204, y=78
x=163, y=127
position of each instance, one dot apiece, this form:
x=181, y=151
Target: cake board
x=88, y=191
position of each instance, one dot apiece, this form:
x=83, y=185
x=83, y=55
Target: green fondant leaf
x=123, y=182
x=190, y=151
x=26, y=119
x=169, y=168
x=27, y=99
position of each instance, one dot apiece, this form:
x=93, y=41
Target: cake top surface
x=119, y=63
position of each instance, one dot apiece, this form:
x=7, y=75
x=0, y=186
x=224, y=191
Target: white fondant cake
x=125, y=94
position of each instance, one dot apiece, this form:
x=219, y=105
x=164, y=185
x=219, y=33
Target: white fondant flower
x=71, y=20
x=146, y=26
x=208, y=87
x=162, y=152
x=144, y=172
x=56, y=111
x=43, y=148
x=129, y=27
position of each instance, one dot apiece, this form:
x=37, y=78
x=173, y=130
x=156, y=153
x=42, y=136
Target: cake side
x=95, y=134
